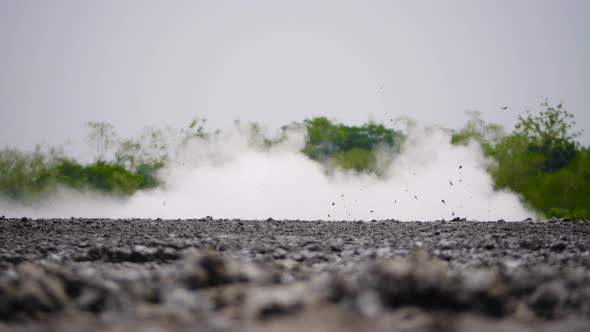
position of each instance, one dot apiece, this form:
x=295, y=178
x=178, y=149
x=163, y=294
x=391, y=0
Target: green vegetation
x=23, y=175
x=540, y=159
x=106, y=177
x=28, y=176
x=348, y=147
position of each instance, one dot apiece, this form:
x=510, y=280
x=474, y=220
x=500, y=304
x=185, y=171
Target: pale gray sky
x=137, y=62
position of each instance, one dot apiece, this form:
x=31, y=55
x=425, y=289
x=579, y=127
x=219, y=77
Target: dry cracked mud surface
x=240, y=275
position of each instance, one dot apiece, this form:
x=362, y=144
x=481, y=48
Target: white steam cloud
x=228, y=178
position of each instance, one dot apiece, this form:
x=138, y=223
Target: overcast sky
x=137, y=63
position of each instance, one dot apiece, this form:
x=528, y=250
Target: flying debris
x=328, y=216
x=371, y=211
x=333, y=203
x=443, y=201
x=451, y=183
x=416, y=197
x=504, y=108
x=394, y=202
x=164, y=203
x=460, y=166
x=453, y=214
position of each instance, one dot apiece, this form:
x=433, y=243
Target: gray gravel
x=242, y=275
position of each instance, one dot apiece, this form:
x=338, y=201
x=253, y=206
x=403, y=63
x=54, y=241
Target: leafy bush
x=355, y=159
x=27, y=176
x=23, y=175
x=349, y=147
x=101, y=176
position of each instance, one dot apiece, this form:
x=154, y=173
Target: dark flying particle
x=443, y=201
x=416, y=197
x=333, y=203
x=451, y=183
x=453, y=214
x=460, y=166
x=394, y=202
x=504, y=108
x=164, y=203
x=371, y=211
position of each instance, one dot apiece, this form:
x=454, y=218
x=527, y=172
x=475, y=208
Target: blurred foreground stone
x=212, y=275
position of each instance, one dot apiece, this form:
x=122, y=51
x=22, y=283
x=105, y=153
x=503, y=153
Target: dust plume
x=229, y=176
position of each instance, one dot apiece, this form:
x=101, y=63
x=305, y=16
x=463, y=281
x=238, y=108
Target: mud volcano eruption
x=287, y=242
x=410, y=166
x=293, y=235
x=235, y=174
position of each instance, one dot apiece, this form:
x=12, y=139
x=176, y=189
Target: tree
x=542, y=161
x=551, y=134
x=128, y=153
x=102, y=137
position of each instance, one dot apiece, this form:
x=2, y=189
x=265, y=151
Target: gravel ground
x=242, y=275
